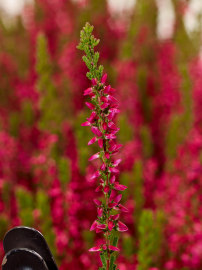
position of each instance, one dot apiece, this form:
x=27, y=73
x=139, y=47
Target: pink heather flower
x=88, y=91
x=113, y=248
x=122, y=227
x=92, y=117
x=112, y=179
x=94, y=82
x=106, y=189
x=123, y=208
x=97, y=202
x=90, y=105
x=93, y=140
x=93, y=226
x=95, y=156
x=95, y=175
x=85, y=124
x=110, y=225
x=119, y=187
x=114, y=217
x=116, y=162
x=96, y=131
x=104, y=78
x=95, y=249
x=113, y=170
x=99, y=211
x=100, y=143
x=101, y=226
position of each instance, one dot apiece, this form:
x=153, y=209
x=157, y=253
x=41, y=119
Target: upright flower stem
x=104, y=109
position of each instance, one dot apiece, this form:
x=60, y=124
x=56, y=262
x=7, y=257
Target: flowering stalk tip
x=104, y=108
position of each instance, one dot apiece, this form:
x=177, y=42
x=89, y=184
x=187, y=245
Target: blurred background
x=151, y=51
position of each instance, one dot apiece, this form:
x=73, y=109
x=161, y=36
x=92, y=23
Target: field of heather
x=101, y=140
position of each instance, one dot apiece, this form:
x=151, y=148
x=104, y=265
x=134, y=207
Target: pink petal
x=112, y=99
x=94, y=249
x=112, y=195
x=117, y=162
x=123, y=208
x=119, y=187
x=93, y=226
x=103, y=167
x=99, y=211
x=117, y=198
x=94, y=81
x=110, y=136
x=104, y=99
x=95, y=156
x=112, y=204
x=113, y=170
x=92, y=117
x=107, y=89
x=93, y=140
x=107, y=155
x=113, y=248
x=97, y=202
x=95, y=175
x=112, y=125
x=100, y=143
x=90, y=105
x=104, y=106
x=106, y=189
x=104, y=78
x=112, y=179
x=85, y=124
x=114, y=217
x=96, y=131
x=88, y=91
x=122, y=227
x=101, y=226
x=98, y=189
x=104, y=126
x=110, y=225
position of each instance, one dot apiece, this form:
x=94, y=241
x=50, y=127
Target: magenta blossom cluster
x=104, y=109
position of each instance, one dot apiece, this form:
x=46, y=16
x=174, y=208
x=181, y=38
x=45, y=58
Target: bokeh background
x=151, y=52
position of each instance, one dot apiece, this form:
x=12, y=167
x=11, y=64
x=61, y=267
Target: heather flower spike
x=104, y=108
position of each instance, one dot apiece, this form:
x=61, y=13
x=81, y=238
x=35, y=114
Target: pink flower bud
x=112, y=179
x=90, y=105
x=110, y=225
x=104, y=78
x=95, y=175
x=119, y=187
x=86, y=124
x=99, y=212
x=96, y=131
x=95, y=249
x=123, y=208
x=97, y=202
x=113, y=170
x=100, y=143
x=94, y=81
x=93, y=140
x=106, y=189
x=95, y=156
x=114, y=248
x=122, y=227
x=93, y=226
x=88, y=91
x=117, y=198
x=101, y=226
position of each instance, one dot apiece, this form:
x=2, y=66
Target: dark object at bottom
x=26, y=249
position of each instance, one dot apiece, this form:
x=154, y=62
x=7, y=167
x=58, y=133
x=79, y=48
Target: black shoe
x=23, y=259
x=28, y=239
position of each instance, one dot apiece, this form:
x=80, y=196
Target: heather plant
x=104, y=108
